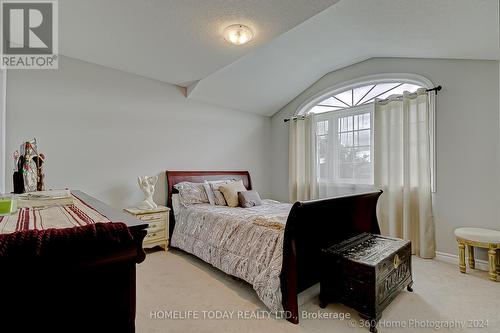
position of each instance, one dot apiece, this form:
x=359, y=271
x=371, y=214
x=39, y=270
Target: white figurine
x=147, y=185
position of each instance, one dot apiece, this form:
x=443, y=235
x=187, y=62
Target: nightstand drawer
x=156, y=226
x=152, y=236
x=152, y=217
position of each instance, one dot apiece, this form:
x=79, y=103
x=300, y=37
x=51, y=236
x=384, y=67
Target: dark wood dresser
x=366, y=272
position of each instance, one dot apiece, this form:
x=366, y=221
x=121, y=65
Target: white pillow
x=176, y=205
x=192, y=193
x=210, y=193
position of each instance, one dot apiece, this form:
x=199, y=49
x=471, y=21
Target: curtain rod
x=435, y=89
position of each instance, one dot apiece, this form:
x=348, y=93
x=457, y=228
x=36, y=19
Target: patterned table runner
x=75, y=215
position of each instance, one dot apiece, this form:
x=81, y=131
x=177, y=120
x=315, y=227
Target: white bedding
x=243, y=242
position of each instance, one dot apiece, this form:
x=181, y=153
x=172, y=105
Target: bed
x=275, y=247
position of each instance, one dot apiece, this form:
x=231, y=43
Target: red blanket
x=56, y=244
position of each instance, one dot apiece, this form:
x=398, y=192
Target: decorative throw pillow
x=249, y=199
x=191, y=193
x=230, y=192
x=218, y=197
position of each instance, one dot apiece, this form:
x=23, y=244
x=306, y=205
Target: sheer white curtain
x=302, y=159
x=403, y=170
x=344, y=151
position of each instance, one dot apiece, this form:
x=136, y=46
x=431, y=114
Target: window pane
x=362, y=155
x=343, y=124
x=322, y=148
x=364, y=121
x=321, y=109
x=345, y=155
x=360, y=92
x=364, y=138
x=322, y=127
x=346, y=171
x=350, y=122
x=333, y=102
x=379, y=89
x=345, y=97
x=405, y=87
x=346, y=139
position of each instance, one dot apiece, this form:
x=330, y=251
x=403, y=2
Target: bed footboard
x=314, y=225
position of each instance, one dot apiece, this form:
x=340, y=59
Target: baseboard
x=453, y=259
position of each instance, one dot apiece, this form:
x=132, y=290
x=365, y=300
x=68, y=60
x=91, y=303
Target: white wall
x=467, y=138
x=101, y=128
x=2, y=129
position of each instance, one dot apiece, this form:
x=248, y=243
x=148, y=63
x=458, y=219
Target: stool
x=479, y=237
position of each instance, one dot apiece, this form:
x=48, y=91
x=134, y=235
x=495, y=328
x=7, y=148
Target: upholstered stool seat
x=479, y=237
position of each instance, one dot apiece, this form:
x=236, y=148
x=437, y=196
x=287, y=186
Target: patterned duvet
x=243, y=242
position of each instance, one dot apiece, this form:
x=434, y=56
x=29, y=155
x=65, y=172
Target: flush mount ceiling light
x=238, y=34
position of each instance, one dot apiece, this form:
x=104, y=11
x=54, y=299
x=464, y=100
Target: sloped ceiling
x=297, y=41
x=346, y=33
x=175, y=41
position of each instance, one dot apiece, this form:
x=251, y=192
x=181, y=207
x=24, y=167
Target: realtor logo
x=29, y=34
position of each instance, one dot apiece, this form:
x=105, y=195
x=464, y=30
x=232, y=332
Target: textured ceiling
x=297, y=41
x=351, y=31
x=176, y=41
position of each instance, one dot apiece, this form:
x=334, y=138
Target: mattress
x=243, y=242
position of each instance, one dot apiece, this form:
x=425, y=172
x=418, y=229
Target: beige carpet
x=175, y=283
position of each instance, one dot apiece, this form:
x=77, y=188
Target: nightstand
x=158, y=225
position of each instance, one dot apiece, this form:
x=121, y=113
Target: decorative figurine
x=147, y=185
x=30, y=172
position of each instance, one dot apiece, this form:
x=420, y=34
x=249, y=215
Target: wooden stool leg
x=472, y=263
x=461, y=256
x=498, y=262
x=492, y=253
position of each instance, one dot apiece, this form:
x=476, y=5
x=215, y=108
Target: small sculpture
x=30, y=170
x=147, y=185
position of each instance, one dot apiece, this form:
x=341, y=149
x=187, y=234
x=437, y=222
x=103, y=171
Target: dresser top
x=137, y=211
x=367, y=248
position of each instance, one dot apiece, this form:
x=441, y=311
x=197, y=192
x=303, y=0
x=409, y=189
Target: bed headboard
x=175, y=177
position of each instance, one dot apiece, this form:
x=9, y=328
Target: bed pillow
x=210, y=193
x=249, y=199
x=191, y=193
x=218, y=197
x=230, y=192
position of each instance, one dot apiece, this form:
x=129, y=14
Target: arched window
x=362, y=95
x=344, y=125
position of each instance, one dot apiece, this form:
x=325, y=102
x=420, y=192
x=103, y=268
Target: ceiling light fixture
x=238, y=34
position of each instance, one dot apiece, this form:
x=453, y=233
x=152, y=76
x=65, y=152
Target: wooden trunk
x=366, y=272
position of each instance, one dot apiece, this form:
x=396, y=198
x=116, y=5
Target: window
x=344, y=131
x=362, y=95
x=344, y=146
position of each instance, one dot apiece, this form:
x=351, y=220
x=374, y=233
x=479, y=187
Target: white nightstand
x=158, y=225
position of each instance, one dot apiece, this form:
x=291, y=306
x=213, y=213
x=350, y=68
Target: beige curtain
x=302, y=181
x=403, y=170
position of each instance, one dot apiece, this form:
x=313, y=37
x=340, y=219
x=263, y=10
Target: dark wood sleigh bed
x=311, y=226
